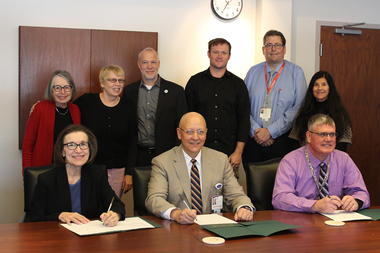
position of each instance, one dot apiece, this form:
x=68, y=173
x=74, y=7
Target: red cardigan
x=37, y=148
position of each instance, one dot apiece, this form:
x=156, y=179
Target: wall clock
x=227, y=9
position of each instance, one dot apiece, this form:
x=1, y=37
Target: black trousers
x=254, y=152
x=145, y=156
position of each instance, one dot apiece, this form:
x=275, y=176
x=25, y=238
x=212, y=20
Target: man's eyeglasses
x=324, y=135
x=58, y=88
x=269, y=46
x=190, y=132
x=73, y=145
x=114, y=80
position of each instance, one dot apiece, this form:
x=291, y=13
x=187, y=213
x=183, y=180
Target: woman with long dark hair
x=322, y=97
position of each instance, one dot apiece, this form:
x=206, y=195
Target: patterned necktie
x=271, y=76
x=322, y=174
x=196, y=195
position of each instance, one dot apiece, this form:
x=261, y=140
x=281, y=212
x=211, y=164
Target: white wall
x=184, y=28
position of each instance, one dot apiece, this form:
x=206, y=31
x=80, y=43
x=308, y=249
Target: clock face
x=226, y=9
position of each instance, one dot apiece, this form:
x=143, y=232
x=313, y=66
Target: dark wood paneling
x=41, y=52
x=353, y=62
x=120, y=48
x=82, y=52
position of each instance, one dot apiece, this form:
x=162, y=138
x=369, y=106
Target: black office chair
x=140, y=177
x=30, y=180
x=260, y=181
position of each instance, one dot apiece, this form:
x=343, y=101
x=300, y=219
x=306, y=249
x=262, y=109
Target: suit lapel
x=207, y=171
x=63, y=188
x=180, y=167
x=161, y=97
x=134, y=95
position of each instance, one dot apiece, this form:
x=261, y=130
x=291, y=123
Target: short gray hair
x=320, y=119
x=65, y=75
x=148, y=49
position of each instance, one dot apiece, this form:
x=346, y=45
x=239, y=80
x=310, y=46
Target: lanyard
x=312, y=171
x=275, y=79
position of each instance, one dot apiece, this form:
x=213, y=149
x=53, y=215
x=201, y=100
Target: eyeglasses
x=114, y=80
x=190, y=132
x=269, y=46
x=73, y=145
x=58, y=88
x=324, y=135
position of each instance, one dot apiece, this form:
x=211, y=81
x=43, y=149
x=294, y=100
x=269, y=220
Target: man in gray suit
x=171, y=189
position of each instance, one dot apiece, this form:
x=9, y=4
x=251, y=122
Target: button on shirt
x=288, y=94
x=146, y=113
x=224, y=104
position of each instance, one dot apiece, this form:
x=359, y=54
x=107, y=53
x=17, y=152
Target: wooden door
x=353, y=61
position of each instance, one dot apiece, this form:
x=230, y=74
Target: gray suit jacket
x=170, y=177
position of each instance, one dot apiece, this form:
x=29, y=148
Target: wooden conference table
x=313, y=236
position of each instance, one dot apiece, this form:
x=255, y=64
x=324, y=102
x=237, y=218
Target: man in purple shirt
x=300, y=187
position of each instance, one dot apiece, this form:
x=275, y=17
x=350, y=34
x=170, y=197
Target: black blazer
x=52, y=194
x=170, y=108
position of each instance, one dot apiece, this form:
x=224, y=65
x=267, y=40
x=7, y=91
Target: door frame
x=320, y=23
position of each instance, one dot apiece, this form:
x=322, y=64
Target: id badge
x=217, y=203
x=265, y=113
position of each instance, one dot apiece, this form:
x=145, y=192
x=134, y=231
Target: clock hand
x=228, y=2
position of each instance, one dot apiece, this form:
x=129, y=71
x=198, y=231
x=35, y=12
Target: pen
x=186, y=204
x=109, y=208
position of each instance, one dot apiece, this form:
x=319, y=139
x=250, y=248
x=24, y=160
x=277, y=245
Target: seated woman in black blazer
x=75, y=191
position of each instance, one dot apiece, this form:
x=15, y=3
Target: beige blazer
x=170, y=177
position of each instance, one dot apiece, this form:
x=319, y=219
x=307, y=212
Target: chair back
x=30, y=180
x=140, y=177
x=260, y=182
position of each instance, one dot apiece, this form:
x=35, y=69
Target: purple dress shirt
x=295, y=188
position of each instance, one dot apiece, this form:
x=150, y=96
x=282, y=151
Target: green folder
x=254, y=228
x=373, y=213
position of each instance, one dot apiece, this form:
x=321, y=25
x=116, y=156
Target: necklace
x=60, y=112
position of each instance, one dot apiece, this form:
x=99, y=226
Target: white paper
x=96, y=226
x=341, y=215
x=212, y=219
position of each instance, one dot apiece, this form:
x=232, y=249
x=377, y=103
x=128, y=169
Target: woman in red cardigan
x=48, y=119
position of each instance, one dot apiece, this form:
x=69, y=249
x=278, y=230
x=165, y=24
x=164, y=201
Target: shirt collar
x=276, y=69
x=315, y=161
x=188, y=158
x=157, y=83
x=226, y=74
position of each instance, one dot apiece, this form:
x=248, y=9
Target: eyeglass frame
x=77, y=145
x=269, y=46
x=114, y=80
x=190, y=132
x=324, y=135
x=66, y=88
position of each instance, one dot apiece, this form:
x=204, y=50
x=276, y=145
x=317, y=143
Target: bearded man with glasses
x=317, y=177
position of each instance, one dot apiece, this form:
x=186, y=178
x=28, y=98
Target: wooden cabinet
x=81, y=52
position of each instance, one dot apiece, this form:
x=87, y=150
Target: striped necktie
x=322, y=174
x=196, y=195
